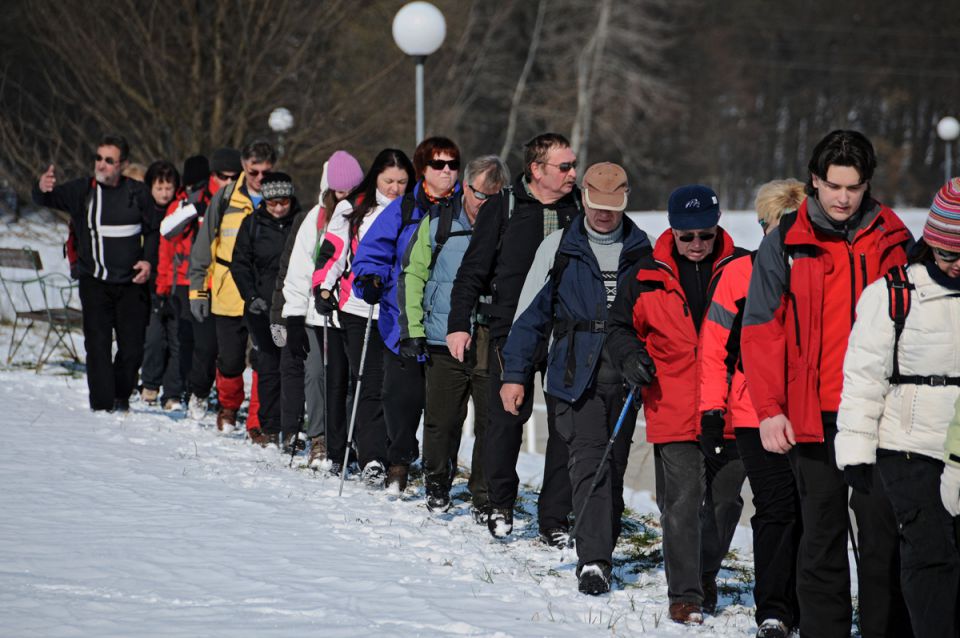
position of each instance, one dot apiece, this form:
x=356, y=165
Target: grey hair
x=491, y=166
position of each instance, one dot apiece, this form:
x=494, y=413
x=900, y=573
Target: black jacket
x=256, y=254
x=500, y=255
x=276, y=306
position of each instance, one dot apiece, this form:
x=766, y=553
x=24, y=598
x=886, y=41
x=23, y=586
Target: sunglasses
x=946, y=255
x=563, y=167
x=438, y=164
x=280, y=201
x=479, y=195
x=252, y=172
x=226, y=176
x=108, y=160
x=689, y=237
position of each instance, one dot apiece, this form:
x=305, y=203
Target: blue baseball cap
x=693, y=207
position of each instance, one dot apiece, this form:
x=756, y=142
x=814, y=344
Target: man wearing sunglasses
x=654, y=338
x=116, y=240
x=213, y=291
x=807, y=278
x=505, y=239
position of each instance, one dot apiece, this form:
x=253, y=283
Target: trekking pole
x=853, y=542
x=356, y=400
x=600, y=467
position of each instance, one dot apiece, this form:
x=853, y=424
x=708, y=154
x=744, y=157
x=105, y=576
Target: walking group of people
x=826, y=360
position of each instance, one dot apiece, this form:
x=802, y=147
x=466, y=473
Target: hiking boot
x=172, y=404
x=772, y=628
x=263, y=439
x=226, y=420
x=397, y=478
x=373, y=473
x=686, y=613
x=500, y=522
x=438, y=499
x=480, y=515
x=293, y=444
x=149, y=396
x=197, y=407
x=555, y=536
x=594, y=579
x=709, y=594
x=318, y=451
x=121, y=405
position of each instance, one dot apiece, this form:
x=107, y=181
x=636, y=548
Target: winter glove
x=324, y=302
x=711, y=435
x=278, y=332
x=200, y=309
x=859, y=477
x=158, y=302
x=414, y=348
x=950, y=489
x=638, y=368
x=257, y=306
x=372, y=288
x=297, y=337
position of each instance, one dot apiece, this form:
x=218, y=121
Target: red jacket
x=653, y=308
x=800, y=310
x=174, y=262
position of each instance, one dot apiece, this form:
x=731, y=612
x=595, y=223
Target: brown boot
x=226, y=419
x=149, y=396
x=397, y=475
x=263, y=439
x=318, y=451
x=686, y=613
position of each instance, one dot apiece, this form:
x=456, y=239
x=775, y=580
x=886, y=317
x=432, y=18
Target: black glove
x=257, y=306
x=414, y=348
x=711, y=435
x=324, y=301
x=297, y=337
x=372, y=288
x=859, y=477
x=638, y=368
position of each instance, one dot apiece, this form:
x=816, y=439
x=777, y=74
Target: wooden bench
x=39, y=298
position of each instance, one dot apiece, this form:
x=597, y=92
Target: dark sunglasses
x=479, y=195
x=946, y=255
x=563, y=167
x=438, y=164
x=108, y=160
x=226, y=176
x=689, y=237
x=279, y=201
x=252, y=172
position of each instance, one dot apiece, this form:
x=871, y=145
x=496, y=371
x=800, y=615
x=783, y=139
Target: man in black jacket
x=505, y=240
x=117, y=240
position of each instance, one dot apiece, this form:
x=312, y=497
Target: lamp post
x=948, y=129
x=281, y=121
x=419, y=29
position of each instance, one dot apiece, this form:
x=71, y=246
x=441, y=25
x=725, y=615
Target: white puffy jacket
x=908, y=418
x=298, y=284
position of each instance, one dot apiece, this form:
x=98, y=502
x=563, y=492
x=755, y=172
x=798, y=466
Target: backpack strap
x=786, y=223
x=444, y=228
x=898, y=292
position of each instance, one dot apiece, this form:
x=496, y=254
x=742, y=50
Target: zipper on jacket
x=863, y=270
x=853, y=285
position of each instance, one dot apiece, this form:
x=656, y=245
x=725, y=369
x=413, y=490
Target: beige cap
x=605, y=186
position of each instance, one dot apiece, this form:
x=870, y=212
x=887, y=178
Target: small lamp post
x=948, y=129
x=281, y=121
x=419, y=30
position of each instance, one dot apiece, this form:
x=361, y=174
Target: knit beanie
x=226, y=160
x=693, y=207
x=942, y=229
x=276, y=186
x=343, y=172
x=196, y=170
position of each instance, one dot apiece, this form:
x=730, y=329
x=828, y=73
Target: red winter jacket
x=652, y=308
x=174, y=261
x=800, y=310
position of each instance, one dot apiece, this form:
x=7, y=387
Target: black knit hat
x=226, y=160
x=196, y=170
x=276, y=186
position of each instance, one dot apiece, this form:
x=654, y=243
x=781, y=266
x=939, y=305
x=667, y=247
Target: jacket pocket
x=908, y=399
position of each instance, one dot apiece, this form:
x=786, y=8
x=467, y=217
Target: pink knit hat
x=942, y=229
x=343, y=171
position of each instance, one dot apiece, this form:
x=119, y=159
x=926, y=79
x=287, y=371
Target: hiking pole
x=853, y=542
x=356, y=400
x=600, y=467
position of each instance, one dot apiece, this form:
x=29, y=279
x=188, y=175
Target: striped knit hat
x=942, y=229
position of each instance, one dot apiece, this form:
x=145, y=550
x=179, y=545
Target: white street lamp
x=281, y=121
x=419, y=29
x=948, y=129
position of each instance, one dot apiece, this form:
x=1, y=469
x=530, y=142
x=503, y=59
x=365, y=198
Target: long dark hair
x=363, y=198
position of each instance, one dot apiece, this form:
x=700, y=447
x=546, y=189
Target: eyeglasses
x=108, y=160
x=946, y=255
x=438, y=164
x=252, y=172
x=689, y=237
x=226, y=176
x=279, y=201
x=480, y=195
x=563, y=167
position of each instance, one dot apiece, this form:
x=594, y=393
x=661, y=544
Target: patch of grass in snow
x=639, y=548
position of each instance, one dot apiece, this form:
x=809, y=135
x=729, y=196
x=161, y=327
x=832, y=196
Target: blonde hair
x=135, y=171
x=776, y=198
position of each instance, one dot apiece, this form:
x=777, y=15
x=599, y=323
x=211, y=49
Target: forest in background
x=729, y=94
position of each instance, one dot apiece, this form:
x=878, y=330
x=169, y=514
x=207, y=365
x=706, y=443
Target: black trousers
x=776, y=529
x=370, y=430
x=203, y=361
x=110, y=310
x=267, y=365
x=586, y=427
x=292, y=393
x=502, y=440
x=404, y=395
x=823, y=572
x=168, y=345
x=232, y=337
x=337, y=384
x=929, y=557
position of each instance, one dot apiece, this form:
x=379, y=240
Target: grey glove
x=200, y=309
x=257, y=306
x=278, y=332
